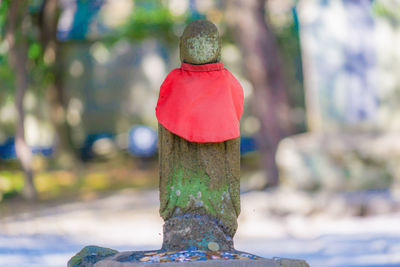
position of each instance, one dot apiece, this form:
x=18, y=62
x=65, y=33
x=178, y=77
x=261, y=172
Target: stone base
x=211, y=263
x=93, y=256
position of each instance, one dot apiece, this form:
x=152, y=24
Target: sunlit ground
x=83, y=181
x=93, y=209
x=128, y=220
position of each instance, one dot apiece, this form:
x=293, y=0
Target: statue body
x=198, y=110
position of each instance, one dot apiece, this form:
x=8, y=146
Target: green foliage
x=11, y=183
x=39, y=75
x=94, y=178
x=34, y=50
x=6, y=74
x=287, y=36
x=149, y=19
x=389, y=10
x=3, y=13
x=6, y=77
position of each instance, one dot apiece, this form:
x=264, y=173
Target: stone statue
x=198, y=110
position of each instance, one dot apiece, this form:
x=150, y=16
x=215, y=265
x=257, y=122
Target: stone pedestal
x=93, y=256
x=212, y=263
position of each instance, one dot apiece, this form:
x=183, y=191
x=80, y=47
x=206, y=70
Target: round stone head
x=200, y=43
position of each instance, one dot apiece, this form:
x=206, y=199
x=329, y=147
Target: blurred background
x=79, y=82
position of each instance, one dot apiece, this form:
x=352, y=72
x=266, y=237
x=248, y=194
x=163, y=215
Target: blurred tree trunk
x=48, y=21
x=263, y=67
x=17, y=29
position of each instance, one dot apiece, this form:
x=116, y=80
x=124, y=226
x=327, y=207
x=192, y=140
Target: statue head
x=200, y=43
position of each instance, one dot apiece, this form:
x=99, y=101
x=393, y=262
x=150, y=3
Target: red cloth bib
x=201, y=103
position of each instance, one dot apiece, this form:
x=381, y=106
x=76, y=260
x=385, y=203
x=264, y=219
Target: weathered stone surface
x=103, y=257
x=200, y=43
x=194, y=230
x=90, y=255
x=213, y=263
x=342, y=161
x=202, y=179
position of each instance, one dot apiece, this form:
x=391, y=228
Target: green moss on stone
x=199, y=178
x=89, y=255
x=190, y=191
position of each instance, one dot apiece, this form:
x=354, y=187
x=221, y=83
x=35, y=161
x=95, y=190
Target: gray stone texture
x=195, y=230
x=213, y=263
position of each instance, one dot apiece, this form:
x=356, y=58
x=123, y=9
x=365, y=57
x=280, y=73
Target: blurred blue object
x=194, y=12
x=76, y=19
x=87, y=151
x=7, y=150
x=247, y=144
x=45, y=151
x=142, y=141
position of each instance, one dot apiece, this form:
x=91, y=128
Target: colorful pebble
x=192, y=255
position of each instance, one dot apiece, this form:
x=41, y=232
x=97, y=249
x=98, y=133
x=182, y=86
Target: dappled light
x=80, y=143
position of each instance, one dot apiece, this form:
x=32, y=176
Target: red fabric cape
x=201, y=103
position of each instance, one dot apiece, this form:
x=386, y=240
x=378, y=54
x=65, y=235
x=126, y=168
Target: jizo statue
x=198, y=110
